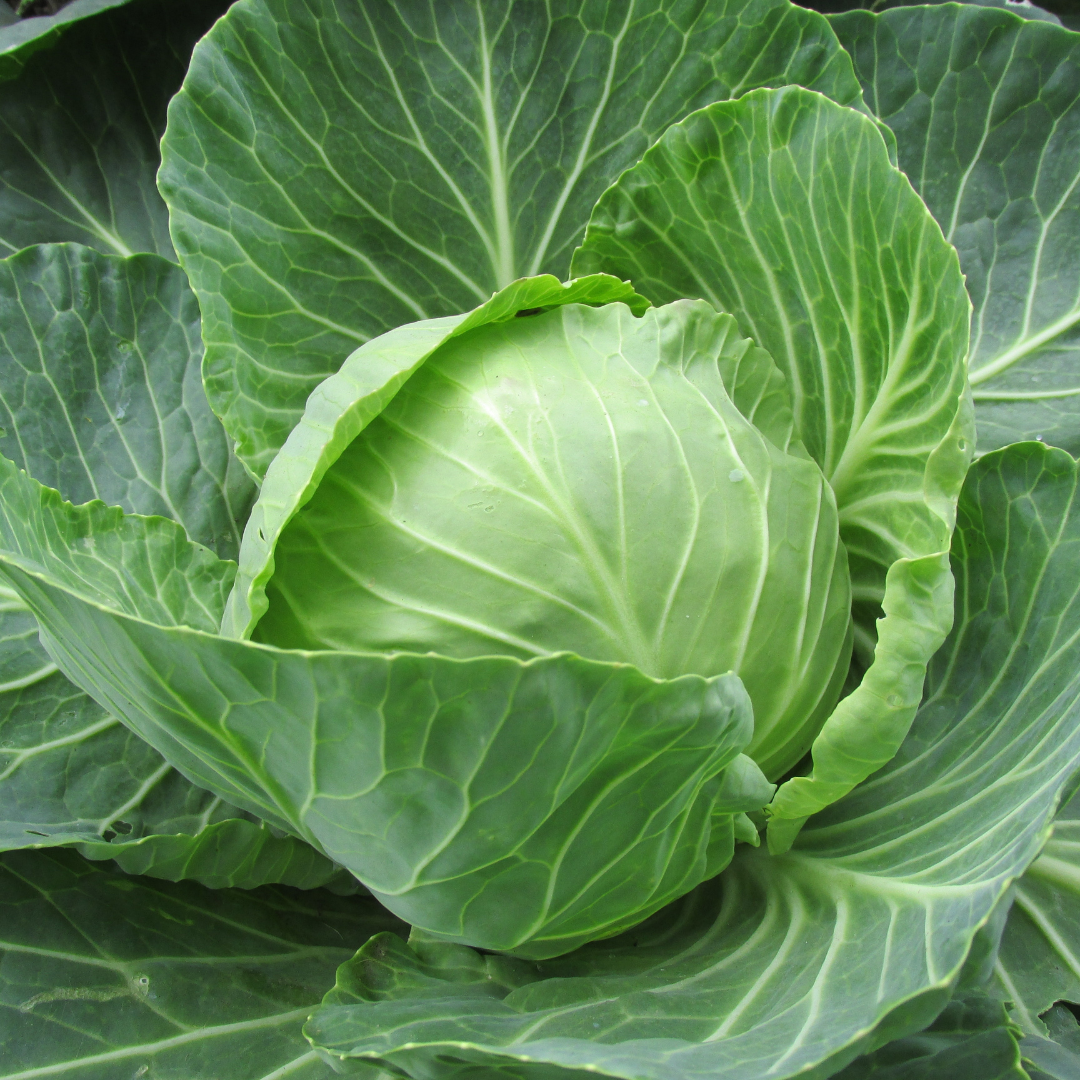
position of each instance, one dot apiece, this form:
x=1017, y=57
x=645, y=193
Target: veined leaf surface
x=110, y=977
x=335, y=168
x=505, y=803
x=22, y=659
x=794, y=959
x=583, y=480
x=986, y=111
x=101, y=396
x=1055, y=1055
x=72, y=775
x=81, y=122
x=101, y=392
x=972, y=1039
x=1039, y=960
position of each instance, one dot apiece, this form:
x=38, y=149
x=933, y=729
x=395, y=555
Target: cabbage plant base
x=452, y=831
x=484, y=853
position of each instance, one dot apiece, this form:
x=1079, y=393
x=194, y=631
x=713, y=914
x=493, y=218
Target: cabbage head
x=582, y=480
x=539, y=601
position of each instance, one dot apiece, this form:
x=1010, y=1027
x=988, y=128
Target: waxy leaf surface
x=784, y=209
x=985, y=107
x=81, y=122
x=108, y=977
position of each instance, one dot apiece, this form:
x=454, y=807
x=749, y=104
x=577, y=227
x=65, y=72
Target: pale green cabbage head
x=583, y=481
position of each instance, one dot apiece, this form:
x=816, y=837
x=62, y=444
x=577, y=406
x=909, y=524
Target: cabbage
x=624, y=650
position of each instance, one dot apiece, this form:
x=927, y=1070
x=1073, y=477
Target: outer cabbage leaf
x=334, y=169
x=1055, y=1055
x=22, y=659
x=80, y=125
x=21, y=38
x=786, y=967
x=784, y=209
x=71, y=774
x=101, y=394
x=986, y=111
x=113, y=977
x=1039, y=960
x=972, y=1039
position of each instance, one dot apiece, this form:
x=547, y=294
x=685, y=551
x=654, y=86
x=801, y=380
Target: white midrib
x=503, y=261
x=1023, y=348
x=67, y=1068
x=92, y=222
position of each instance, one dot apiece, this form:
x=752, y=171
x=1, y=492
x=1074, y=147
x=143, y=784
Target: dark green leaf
x=986, y=111
x=80, y=125
x=70, y=774
x=1039, y=959
x=101, y=394
x=972, y=1039
x=107, y=977
x=21, y=38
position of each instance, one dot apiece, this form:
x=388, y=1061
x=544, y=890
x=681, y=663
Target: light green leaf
x=101, y=394
x=784, y=209
x=73, y=773
x=334, y=169
x=1039, y=959
x=110, y=977
x=505, y=803
x=80, y=125
x=986, y=111
x=786, y=968
x=342, y=406
x=146, y=566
